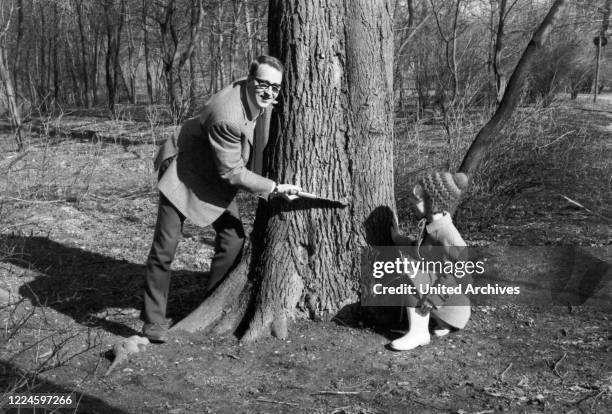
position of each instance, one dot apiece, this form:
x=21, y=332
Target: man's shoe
x=156, y=332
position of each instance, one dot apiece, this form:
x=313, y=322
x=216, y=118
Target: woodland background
x=89, y=89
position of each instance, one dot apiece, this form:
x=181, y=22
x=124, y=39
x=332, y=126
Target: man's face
x=265, y=85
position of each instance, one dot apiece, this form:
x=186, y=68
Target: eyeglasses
x=263, y=85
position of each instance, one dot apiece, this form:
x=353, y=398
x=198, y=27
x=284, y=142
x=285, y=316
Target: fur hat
x=443, y=190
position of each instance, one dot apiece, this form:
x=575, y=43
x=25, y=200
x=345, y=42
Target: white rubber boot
x=417, y=335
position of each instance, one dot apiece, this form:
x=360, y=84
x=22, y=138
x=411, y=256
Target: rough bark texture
x=331, y=134
x=9, y=92
x=487, y=135
x=334, y=138
x=500, y=77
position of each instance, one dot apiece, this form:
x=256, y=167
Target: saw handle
x=304, y=194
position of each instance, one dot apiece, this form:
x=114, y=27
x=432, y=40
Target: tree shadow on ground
x=91, y=288
x=10, y=375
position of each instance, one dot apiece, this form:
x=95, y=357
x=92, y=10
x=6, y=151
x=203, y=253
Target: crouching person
x=201, y=170
x=435, y=198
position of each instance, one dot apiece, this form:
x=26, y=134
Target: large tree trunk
x=333, y=136
x=487, y=135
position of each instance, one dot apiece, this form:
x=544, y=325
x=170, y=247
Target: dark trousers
x=228, y=248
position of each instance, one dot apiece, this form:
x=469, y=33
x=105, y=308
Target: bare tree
x=6, y=78
x=487, y=135
x=147, y=53
x=601, y=38
x=114, y=20
x=177, y=49
x=79, y=7
x=499, y=10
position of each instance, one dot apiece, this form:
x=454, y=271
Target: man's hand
x=287, y=191
x=426, y=306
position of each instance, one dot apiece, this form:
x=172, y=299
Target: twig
x=596, y=397
x=13, y=162
x=261, y=399
x=586, y=209
x=232, y=356
x=586, y=397
x=336, y=393
x=505, y=371
x=556, y=365
x=556, y=139
x=21, y=200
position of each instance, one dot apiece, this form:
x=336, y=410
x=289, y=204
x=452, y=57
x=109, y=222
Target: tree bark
x=487, y=135
x=84, y=58
x=113, y=32
x=55, y=40
x=9, y=92
x=333, y=135
x=95, y=63
x=133, y=58
x=500, y=77
x=605, y=22
x=6, y=81
x=147, y=52
x=17, y=57
x=248, y=24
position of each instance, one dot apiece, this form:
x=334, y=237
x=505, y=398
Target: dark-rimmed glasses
x=263, y=85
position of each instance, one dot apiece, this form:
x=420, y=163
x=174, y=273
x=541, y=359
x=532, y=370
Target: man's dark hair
x=267, y=60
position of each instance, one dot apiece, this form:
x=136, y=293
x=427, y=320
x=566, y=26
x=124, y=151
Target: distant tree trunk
x=71, y=67
x=605, y=22
x=487, y=135
x=220, y=48
x=248, y=23
x=192, y=81
x=233, y=39
x=9, y=92
x=173, y=60
x=44, y=66
x=84, y=47
x=132, y=60
x=17, y=57
x=95, y=64
x=450, y=47
x=498, y=46
x=117, y=46
x=111, y=44
x=306, y=255
x=55, y=40
x=147, y=52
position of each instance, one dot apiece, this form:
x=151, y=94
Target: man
x=201, y=171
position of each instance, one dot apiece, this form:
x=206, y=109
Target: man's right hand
x=288, y=191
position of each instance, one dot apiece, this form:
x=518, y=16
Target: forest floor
x=76, y=220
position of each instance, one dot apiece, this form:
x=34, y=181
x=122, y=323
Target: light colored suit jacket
x=213, y=152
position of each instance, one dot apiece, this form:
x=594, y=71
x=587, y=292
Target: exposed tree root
x=277, y=300
x=225, y=305
x=231, y=320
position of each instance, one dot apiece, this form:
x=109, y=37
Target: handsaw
x=304, y=194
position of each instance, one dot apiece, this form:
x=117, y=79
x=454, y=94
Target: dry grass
x=559, y=149
x=91, y=206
